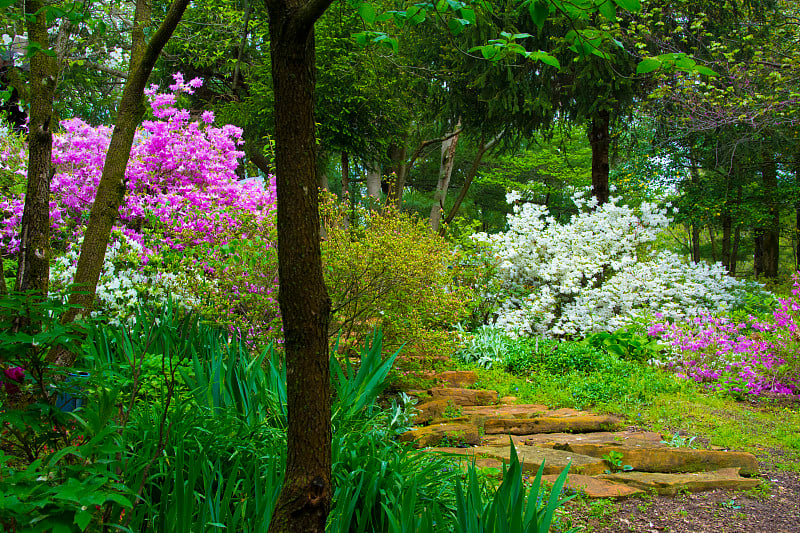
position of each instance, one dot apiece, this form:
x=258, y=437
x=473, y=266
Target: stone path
x=471, y=423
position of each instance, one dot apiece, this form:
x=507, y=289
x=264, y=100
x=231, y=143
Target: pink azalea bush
x=184, y=207
x=748, y=357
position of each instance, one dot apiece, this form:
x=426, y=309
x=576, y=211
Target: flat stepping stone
x=671, y=484
x=433, y=435
x=480, y=414
x=464, y=397
x=581, y=423
x=593, y=487
x=560, y=440
x=555, y=461
x=648, y=458
x=432, y=410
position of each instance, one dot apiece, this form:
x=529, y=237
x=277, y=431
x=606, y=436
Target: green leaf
x=538, y=11
x=633, y=6
x=457, y=25
x=647, y=65
x=82, y=519
x=700, y=69
x=468, y=14
x=367, y=12
x=7, y=3
x=609, y=10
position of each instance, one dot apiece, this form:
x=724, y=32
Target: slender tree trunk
x=111, y=189
x=769, y=175
x=695, y=242
x=797, y=211
x=445, y=172
x=397, y=183
x=473, y=170
x=737, y=233
x=33, y=272
x=374, y=181
x=713, y=243
x=242, y=44
x=345, y=176
x=727, y=231
x=600, y=141
x=758, y=252
x=305, y=498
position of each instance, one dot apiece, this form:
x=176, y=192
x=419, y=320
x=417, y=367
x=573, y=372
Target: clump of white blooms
x=123, y=281
x=596, y=273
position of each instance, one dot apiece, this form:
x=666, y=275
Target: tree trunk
x=600, y=141
x=797, y=211
x=33, y=272
x=695, y=242
x=737, y=233
x=345, y=177
x=727, y=230
x=111, y=189
x=400, y=168
x=713, y=244
x=446, y=163
x=769, y=175
x=758, y=252
x=374, y=181
x=305, y=498
x=473, y=170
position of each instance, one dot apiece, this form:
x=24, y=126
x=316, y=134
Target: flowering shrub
x=747, y=357
x=596, y=273
x=184, y=203
x=388, y=269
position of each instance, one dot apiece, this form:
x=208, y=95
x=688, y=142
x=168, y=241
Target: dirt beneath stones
x=774, y=507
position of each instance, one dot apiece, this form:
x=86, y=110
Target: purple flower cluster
x=180, y=179
x=753, y=357
x=183, y=206
x=15, y=375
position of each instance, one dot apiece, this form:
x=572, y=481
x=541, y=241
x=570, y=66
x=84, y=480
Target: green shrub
x=387, y=269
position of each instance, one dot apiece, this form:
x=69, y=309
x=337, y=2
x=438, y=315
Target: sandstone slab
x=562, y=440
x=593, y=487
x=436, y=434
x=464, y=397
x=431, y=410
x=670, y=484
x=649, y=458
x=555, y=461
x=552, y=424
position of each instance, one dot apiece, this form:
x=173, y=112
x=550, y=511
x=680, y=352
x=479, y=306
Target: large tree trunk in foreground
x=600, y=141
x=33, y=271
x=111, y=189
x=305, y=497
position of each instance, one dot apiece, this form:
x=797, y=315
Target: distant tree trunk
x=111, y=189
x=727, y=231
x=473, y=170
x=737, y=233
x=797, y=212
x=695, y=242
x=305, y=498
x=33, y=272
x=446, y=163
x=758, y=252
x=713, y=244
x=345, y=176
x=769, y=175
x=600, y=141
x=374, y=180
x=400, y=167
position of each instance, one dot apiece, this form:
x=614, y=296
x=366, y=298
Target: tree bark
x=400, y=168
x=305, y=498
x=374, y=181
x=445, y=172
x=600, y=141
x=769, y=176
x=727, y=231
x=473, y=170
x=33, y=272
x=345, y=176
x=695, y=242
x=111, y=189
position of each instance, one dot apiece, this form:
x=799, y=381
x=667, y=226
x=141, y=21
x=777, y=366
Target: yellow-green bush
x=388, y=269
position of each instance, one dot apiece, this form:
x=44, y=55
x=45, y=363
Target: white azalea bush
x=125, y=280
x=598, y=272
